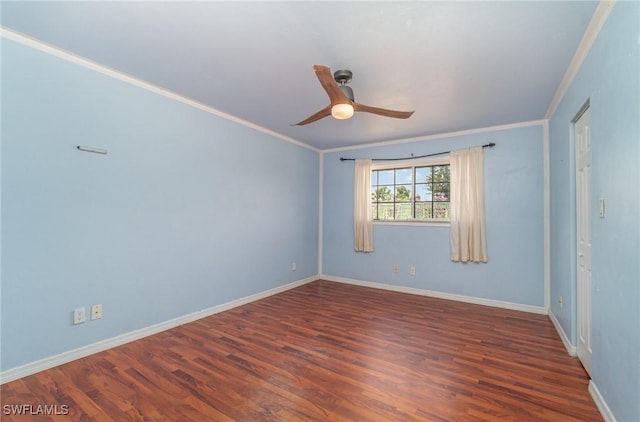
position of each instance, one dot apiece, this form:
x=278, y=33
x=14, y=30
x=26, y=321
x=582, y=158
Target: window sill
x=413, y=223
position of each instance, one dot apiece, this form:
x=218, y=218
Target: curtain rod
x=489, y=145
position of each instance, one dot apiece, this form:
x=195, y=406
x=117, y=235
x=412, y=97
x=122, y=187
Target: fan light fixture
x=342, y=111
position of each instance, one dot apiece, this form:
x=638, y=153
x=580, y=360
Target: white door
x=583, y=222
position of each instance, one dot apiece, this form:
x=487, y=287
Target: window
x=411, y=192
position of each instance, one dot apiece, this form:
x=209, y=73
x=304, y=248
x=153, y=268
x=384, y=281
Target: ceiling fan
x=342, y=105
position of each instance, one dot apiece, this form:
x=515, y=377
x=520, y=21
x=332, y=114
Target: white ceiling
x=459, y=65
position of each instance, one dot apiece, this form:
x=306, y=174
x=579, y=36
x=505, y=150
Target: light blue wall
x=514, y=218
x=610, y=80
x=186, y=211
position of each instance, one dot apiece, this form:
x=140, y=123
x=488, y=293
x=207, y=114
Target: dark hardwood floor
x=326, y=352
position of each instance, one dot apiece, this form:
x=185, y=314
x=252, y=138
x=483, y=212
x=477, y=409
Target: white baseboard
x=65, y=357
x=449, y=296
x=571, y=349
x=600, y=403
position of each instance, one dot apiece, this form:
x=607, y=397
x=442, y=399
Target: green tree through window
x=438, y=183
x=403, y=193
x=382, y=194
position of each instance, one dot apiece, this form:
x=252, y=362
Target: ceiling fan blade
x=317, y=116
x=329, y=84
x=383, y=111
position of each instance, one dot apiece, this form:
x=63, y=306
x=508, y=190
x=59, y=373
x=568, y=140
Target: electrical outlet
x=412, y=271
x=79, y=315
x=293, y=266
x=396, y=269
x=96, y=312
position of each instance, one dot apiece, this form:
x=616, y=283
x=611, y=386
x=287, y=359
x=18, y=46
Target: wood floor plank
x=326, y=352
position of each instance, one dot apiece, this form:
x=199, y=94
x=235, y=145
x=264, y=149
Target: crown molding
x=595, y=25
x=438, y=136
x=115, y=74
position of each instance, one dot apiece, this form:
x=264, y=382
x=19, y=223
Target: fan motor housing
x=347, y=91
x=343, y=76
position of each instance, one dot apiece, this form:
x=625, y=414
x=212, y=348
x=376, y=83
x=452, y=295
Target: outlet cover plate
x=96, y=312
x=79, y=316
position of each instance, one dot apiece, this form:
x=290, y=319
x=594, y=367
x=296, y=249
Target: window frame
x=413, y=163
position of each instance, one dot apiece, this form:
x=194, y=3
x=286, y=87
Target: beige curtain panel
x=467, y=232
x=362, y=214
